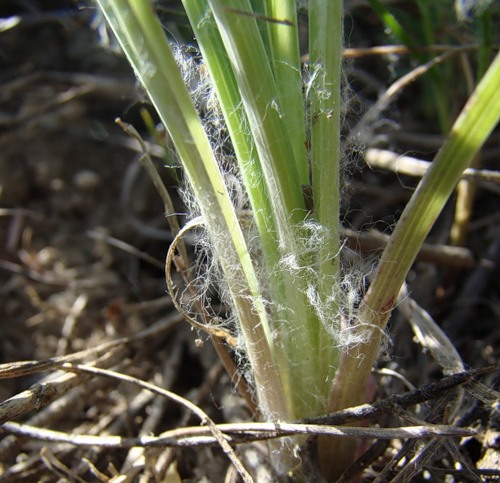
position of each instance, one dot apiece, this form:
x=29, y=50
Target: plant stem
x=142, y=38
x=262, y=100
x=326, y=40
x=470, y=131
x=285, y=62
x=325, y=51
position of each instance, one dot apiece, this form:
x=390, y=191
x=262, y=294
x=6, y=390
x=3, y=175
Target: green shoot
x=278, y=245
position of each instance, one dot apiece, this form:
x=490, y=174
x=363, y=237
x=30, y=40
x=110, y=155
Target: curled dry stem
x=215, y=330
x=222, y=338
x=182, y=264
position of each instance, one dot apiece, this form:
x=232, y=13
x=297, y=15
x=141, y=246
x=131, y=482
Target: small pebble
x=86, y=180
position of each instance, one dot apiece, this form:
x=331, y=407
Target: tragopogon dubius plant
x=271, y=211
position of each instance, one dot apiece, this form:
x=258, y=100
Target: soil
x=83, y=240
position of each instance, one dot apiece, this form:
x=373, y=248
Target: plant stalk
x=471, y=129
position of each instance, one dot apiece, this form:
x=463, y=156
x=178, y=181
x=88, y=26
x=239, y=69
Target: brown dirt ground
x=68, y=181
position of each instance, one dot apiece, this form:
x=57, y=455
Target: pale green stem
x=143, y=40
x=478, y=118
x=325, y=53
x=285, y=62
x=221, y=74
x=325, y=33
x=259, y=93
x=261, y=98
